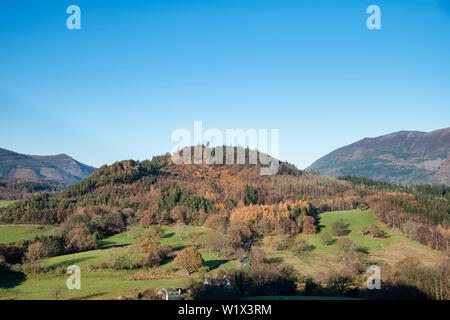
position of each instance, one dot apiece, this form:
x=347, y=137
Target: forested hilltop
x=159, y=192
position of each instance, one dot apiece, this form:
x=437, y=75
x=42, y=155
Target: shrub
x=338, y=228
x=343, y=283
x=283, y=243
x=124, y=259
x=216, y=242
x=35, y=252
x=310, y=285
x=344, y=245
x=301, y=246
x=61, y=270
x=148, y=294
x=16, y=267
x=157, y=256
x=326, y=238
x=364, y=230
x=56, y=292
x=3, y=263
x=13, y=254
x=190, y=259
x=257, y=256
x=309, y=225
x=91, y=266
x=376, y=232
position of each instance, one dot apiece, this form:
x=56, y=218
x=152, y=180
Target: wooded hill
x=160, y=192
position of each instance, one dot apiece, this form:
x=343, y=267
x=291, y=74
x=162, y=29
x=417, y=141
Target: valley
x=108, y=283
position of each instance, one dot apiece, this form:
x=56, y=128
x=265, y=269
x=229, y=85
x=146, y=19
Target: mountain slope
x=60, y=168
x=162, y=192
x=406, y=157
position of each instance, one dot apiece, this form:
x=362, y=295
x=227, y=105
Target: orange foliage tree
x=190, y=259
x=150, y=240
x=276, y=218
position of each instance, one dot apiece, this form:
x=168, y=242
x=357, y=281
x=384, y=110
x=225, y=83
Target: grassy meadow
x=11, y=233
x=110, y=284
x=105, y=284
x=322, y=258
x=5, y=203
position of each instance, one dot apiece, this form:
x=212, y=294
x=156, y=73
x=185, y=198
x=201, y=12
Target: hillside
x=161, y=192
x=13, y=189
x=406, y=157
x=228, y=216
x=103, y=282
x=60, y=168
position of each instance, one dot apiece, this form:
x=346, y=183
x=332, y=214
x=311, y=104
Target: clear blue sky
x=137, y=70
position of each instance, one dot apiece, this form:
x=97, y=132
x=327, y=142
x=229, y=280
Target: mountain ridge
x=406, y=157
x=60, y=168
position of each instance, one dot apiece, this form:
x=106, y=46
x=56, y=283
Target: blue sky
x=138, y=70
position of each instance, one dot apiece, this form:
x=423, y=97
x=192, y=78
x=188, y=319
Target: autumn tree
x=309, y=226
x=35, y=252
x=181, y=214
x=150, y=240
x=217, y=222
x=79, y=239
x=343, y=283
x=257, y=256
x=190, y=259
x=239, y=233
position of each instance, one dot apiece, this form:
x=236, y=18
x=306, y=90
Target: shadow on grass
x=94, y=295
x=168, y=235
x=362, y=249
x=214, y=264
x=110, y=244
x=9, y=280
x=178, y=248
x=345, y=232
x=274, y=260
x=166, y=261
x=69, y=262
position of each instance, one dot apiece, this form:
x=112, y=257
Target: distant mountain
x=60, y=168
x=406, y=157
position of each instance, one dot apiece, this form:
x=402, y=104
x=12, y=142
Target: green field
x=5, y=203
x=109, y=284
x=11, y=233
x=354, y=219
x=322, y=258
x=103, y=284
